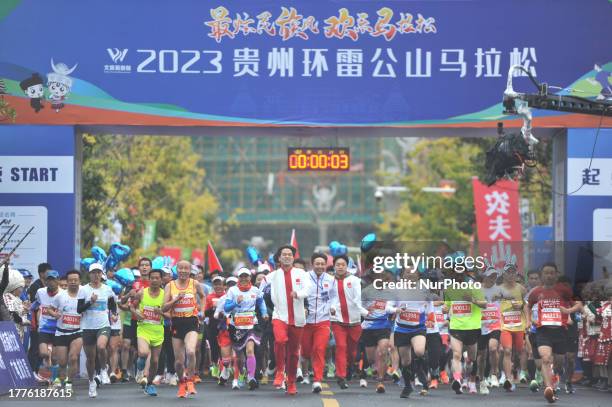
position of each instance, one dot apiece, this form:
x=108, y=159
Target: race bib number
x=379, y=305
x=491, y=313
x=150, y=315
x=44, y=311
x=71, y=321
x=551, y=317
x=512, y=318
x=439, y=317
x=185, y=305
x=410, y=317
x=461, y=309
x=244, y=320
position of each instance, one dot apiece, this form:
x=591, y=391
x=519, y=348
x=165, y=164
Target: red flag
x=294, y=243
x=498, y=222
x=213, y=260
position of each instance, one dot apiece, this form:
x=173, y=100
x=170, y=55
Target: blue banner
x=323, y=63
x=15, y=371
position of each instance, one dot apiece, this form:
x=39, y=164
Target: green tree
x=129, y=180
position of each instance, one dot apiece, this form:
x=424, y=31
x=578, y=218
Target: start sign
x=36, y=174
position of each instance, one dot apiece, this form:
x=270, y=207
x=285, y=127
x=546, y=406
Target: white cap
x=263, y=268
x=243, y=270
x=231, y=280
x=96, y=266
x=167, y=270
x=217, y=278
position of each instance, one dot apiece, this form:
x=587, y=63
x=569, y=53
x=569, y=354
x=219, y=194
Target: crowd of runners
x=309, y=322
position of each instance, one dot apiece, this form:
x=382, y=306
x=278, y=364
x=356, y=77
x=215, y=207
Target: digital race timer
x=318, y=159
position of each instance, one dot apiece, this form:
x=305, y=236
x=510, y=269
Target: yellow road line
x=325, y=385
x=327, y=393
x=330, y=403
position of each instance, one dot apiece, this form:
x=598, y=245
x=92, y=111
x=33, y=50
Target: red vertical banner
x=498, y=222
x=173, y=252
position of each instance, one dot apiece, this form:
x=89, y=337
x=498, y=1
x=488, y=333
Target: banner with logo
x=295, y=62
x=500, y=236
x=37, y=189
x=15, y=371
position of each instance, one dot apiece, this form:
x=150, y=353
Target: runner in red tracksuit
x=289, y=286
x=346, y=312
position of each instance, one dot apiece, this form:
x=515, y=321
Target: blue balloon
x=99, y=254
x=111, y=263
x=253, y=256
x=174, y=272
x=342, y=250
x=115, y=286
x=125, y=276
x=120, y=251
x=86, y=262
x=157, y=263
x=334, y=248
x=368, y=241
x=271, y=261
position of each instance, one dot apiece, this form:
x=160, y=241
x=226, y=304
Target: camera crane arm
x=516, y=103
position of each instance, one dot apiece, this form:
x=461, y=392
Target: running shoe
x=299, y=377
x=291, y=389
x=534, y=386
x=433, y=384
x=57, y=383
x=278, y=379
x=569, y=388
x=197, y=379
x=104, y=376
x=523, y=377
x=235, y=385
x=93, y=389
x=124, y=376
x=396, y=376
x=549, y=395
x=156, y=381
x=472, y=387
x=113, y=378
x=406, y=391
x=494, y=381
x=150, y=390
x=252, y=384
x=380, y=388
x=173, y=381
x=342, y=384
x=331, y=371
x=418, y=386
x=483, y=387
x=316, y=387
x=214, y=371
x=182, y=390
x=444, y=377
x=306, y=380
x=363, y=383
x=191, y=387
x=457, y=386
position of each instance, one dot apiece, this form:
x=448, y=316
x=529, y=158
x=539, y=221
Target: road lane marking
x=330, y=403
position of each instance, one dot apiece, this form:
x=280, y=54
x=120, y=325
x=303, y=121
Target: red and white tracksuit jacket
x=279, y=295
x=346, y=301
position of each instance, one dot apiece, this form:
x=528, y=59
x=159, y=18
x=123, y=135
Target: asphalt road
x=209, y=394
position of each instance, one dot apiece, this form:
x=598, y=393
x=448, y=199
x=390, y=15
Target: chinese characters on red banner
x=498, y=222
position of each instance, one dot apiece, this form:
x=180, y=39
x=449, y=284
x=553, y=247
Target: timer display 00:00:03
x=319, y=162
